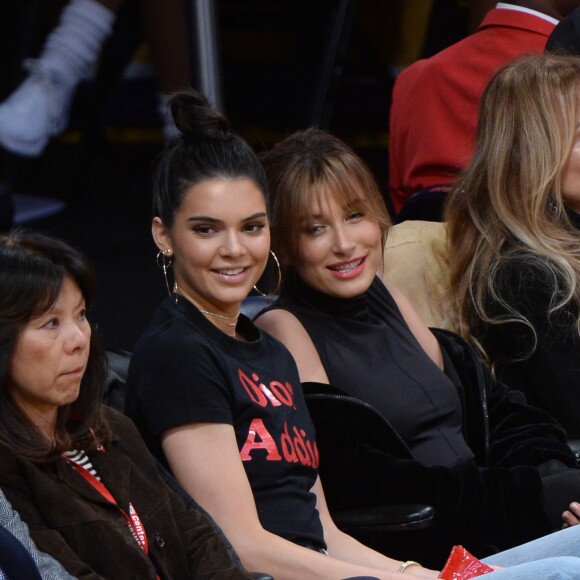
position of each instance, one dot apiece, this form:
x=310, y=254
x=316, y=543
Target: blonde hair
x=507, y=205
x=305, y=166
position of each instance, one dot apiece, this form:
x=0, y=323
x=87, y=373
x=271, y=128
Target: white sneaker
x=36, y=111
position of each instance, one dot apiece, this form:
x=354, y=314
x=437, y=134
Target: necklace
x=234, y=319
x=223, y=317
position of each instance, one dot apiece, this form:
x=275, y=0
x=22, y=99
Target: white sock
x=75, y=44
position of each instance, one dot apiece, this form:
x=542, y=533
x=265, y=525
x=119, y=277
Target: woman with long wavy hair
x=513, y=222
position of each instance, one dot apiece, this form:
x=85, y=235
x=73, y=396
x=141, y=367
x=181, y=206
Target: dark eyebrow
x=82, y=303
x=254, y=216
x=203, y=218
x=213, y=220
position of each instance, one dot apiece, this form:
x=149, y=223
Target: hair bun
x=195, y=118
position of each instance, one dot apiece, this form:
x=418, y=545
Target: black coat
x=541, y=360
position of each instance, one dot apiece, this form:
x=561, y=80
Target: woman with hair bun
x=217, y=400
x=220, y=401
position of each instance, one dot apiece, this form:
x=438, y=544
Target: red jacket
x=436, y=101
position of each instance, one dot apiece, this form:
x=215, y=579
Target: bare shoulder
x=281, y=324
x=284, y=326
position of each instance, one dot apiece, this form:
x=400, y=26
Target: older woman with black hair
x=77, y=472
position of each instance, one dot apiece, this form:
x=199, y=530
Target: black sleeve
x=544, y=366
x=474, y=507
x=521, y=434
x=501, y=427
x=175, y=381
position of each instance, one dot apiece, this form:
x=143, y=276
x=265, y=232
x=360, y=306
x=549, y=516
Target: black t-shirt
x=369, y=352
x=185, y=370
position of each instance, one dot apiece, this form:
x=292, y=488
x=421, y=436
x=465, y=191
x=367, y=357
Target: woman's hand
x=571, y=516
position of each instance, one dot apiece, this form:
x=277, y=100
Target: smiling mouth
x=347, y=266
x=230, y=271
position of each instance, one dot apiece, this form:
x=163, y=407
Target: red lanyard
x=132, y=517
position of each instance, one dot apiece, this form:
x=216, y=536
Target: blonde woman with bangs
x=497, y=471
x=513, y=222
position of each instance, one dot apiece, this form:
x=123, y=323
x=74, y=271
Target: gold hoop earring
x=270, y=294
x=164, y=262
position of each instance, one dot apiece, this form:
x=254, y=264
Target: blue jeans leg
x=562, y=543
x=561, y=568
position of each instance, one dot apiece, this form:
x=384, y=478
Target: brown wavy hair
x=507, y=204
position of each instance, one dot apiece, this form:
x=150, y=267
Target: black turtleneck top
x=369, y=352
x=547, y=371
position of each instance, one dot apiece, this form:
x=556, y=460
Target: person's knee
x=556, y=568
x=562, y=568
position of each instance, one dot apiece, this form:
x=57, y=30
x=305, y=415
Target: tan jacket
x=417, y=263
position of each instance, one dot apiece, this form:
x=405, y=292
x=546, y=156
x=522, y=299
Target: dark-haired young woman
x=78, y=473
x=215, y=398
x=219, y=400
